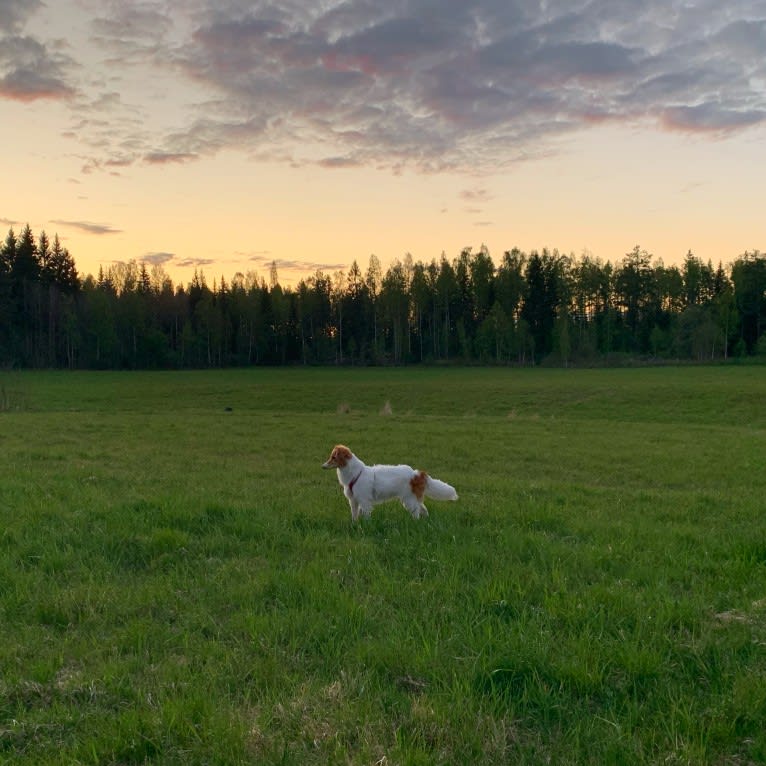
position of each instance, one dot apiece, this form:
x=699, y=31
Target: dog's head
x=339, y=456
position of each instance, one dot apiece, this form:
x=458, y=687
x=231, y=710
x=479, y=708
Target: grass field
x=180, y=583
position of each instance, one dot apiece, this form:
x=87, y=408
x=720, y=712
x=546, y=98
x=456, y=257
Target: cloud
x=15, y=14
x=477, y=86
x=167, y=158
x=482, y=84
x=122, y=108
x=31, y=71
x=187, y=263
x=692, y=186
x=710, y=118
x=339, y=162
x=475, y=195
x=131, y=32
x=296, y=265
x=88, y=227
x=157, y=259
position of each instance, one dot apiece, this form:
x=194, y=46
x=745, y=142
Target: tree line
x=530, y=308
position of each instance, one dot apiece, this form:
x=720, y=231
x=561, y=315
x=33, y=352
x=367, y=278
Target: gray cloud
x=187, y=263
x=157, y=259
x=165, y=158
x=88, y=227
x=14, y=14
x=131, y=33
x=476, y=194
x=111, y=117
x=480, y=83
x=8, y=222
x=295, y=265
x=32, y=71
x=29, y=69
x=711, y=117
x=339, y=162
x=468, y=85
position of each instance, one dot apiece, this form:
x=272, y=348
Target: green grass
x=180, y=583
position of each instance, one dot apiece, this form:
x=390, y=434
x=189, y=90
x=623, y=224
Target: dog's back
x=390, y=481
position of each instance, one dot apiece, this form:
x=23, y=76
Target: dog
x=367, y=485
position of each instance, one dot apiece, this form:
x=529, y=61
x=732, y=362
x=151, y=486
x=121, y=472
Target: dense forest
x=530, y=308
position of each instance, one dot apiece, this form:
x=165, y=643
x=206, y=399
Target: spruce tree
x=62, y=269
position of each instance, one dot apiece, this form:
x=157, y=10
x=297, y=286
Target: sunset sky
x=225, y=134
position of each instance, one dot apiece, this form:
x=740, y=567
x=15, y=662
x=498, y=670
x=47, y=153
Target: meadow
x=180, y=582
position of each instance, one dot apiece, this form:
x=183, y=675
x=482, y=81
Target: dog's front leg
x=354, y=509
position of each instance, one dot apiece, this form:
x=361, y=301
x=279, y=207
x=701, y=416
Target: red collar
x=353, y=481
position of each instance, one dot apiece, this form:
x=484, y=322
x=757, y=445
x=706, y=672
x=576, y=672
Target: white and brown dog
x=367, y=485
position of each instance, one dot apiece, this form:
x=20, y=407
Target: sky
x=226, y=135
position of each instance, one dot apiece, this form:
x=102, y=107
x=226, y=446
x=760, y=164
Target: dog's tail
x=439, y=490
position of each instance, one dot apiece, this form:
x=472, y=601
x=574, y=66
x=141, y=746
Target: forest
x=540, y=307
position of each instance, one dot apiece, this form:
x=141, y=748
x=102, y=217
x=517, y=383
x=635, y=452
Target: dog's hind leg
x=414, y=503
